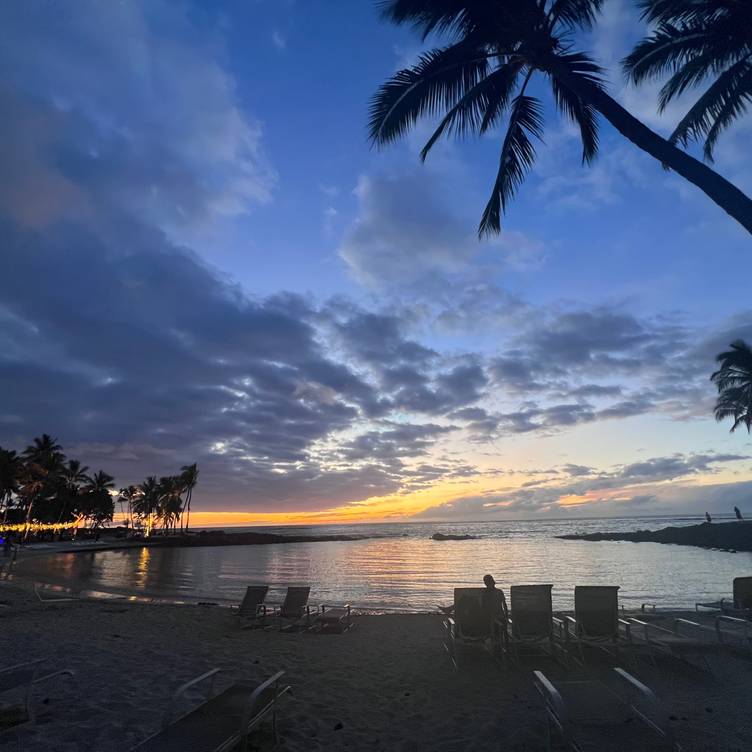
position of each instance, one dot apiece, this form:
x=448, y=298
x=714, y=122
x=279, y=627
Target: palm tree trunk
x=720, y=190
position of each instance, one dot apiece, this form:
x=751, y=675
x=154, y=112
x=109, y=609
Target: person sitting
x=494, y=605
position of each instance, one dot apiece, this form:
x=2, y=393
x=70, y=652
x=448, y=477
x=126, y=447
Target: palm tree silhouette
x=734, y=383
x=695, y=41
x=189, y=479
x=494, y=50
x=10, y=478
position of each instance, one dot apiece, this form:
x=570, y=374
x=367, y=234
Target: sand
x=386, y=685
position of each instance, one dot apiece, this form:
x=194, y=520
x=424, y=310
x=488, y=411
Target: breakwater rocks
x=443, y=537
x=727, y=536
x=223, y=538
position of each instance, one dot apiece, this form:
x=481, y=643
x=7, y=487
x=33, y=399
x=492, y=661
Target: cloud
x=152, y=128
x=576, y=489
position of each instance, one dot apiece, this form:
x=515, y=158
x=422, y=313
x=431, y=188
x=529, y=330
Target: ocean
x=397, y=567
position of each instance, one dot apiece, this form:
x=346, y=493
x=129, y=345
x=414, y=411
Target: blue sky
x=205, y=260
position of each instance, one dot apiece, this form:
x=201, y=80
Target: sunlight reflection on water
x=404, y=569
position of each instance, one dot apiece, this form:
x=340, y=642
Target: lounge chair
x=741, y=602
x=470, y=624
x=21, y=679
x=252, y=609
x=295, y=614
x=222, y=722
x=596, y=621
x=686, y=640
x=46, y=600
x=531, y=623
x=579, y=711
x=334, y=620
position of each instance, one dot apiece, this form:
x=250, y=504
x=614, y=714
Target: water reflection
x=408, y=572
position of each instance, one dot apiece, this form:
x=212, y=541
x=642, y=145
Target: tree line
x=42, y=489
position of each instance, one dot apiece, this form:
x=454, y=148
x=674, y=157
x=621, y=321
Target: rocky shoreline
x=727, y=536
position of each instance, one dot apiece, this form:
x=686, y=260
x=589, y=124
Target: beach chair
x=295, y=614
x=221, y=723
x=20, y=680
x=531, y=623
x=596, y=621
x=47, y=600
x=741, y=602
x=591, y=715
x=687, y=640
x=334, y=620
x=470, y=624
x=252, y=610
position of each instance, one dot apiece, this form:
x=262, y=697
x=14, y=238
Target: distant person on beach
x=708, y=518
x=738, y=514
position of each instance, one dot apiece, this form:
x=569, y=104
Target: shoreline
x=723, y=536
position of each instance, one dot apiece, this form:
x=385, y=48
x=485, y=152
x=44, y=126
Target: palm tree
x=148, y=502
x=43, y=449
x=695, y=40
x=10, y=478
x=494, y=49
x=189, y=479
x=734, y=382
x=127, y=496
x=74, y=477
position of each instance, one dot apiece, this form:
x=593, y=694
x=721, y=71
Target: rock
x=450, y=536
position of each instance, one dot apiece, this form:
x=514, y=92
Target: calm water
x=402, y=569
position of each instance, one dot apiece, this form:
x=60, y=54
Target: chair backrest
x=743, y=592
x=532, y=613
x=471, y=617
x=295, y=602
x=253, y=598
x=596, y=609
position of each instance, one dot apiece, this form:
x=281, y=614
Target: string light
x=37, y=527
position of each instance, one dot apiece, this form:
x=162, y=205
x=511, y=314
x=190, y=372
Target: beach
x=387, y=684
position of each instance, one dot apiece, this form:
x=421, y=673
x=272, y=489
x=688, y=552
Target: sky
x=204, y=260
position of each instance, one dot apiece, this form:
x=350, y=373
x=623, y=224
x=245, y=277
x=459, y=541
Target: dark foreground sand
x=387, y=685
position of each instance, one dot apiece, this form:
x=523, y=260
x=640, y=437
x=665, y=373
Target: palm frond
x=575, y=13
x=516, y=159
x=572, y=106
x=469, y=113
x=433, y=85
x=720, y=103
x=453, y=17
x=682, y=11
x=735, y=101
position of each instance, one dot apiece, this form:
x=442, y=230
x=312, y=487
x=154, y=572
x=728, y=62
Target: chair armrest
x=627, y=628
x=183, y=688
x=734, y=622
x=66, y=671
x=552, y=698
x=695, y=629
x=637, y=691
x=246, y=717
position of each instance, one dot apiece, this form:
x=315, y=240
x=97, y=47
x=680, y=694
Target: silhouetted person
x=494, y=602
x=708, y=518
x=738, y=513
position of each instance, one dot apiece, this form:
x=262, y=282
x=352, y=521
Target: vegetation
x=41, y=486
x=695, y=41
x=734, y=382
x=492, y=52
